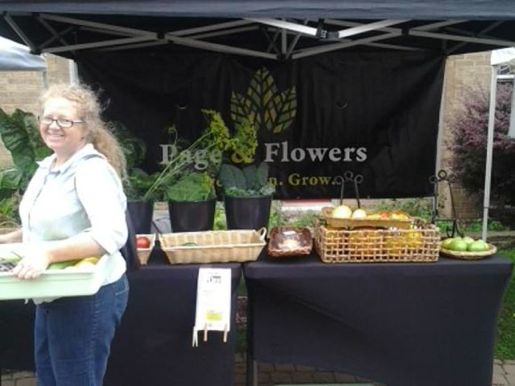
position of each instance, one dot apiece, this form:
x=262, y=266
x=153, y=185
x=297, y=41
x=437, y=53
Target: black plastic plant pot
x=141, y=215
x=247, y=212
x=188, y=216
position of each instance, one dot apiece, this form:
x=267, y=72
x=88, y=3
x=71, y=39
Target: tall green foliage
x=19, y=132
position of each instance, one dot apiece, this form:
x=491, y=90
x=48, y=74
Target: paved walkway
x=271, y=375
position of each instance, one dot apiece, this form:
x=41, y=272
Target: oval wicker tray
x=465, y=255
x=353, y=223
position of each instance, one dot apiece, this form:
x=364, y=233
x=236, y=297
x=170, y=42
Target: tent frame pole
x=489, y=151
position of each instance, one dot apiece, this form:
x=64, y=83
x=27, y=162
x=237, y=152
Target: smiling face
x=63, y=141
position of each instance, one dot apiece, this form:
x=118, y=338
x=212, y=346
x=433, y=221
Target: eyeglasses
x=61, y=122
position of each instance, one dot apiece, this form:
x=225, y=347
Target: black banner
x=374, y=114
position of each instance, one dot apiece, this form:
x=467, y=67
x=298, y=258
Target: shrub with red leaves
x=468, y=148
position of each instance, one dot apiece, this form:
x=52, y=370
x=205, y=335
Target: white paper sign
x=213, y=311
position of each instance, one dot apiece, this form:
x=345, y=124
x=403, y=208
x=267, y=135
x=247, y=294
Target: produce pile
x=466, y=243
x=353, y=235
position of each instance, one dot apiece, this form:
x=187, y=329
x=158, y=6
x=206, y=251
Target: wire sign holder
x=443, y=177
x=349, y=177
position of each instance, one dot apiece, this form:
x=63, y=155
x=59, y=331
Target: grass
x=505, y=346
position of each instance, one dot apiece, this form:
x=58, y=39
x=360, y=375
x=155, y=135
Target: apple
x=359, y=214
x=468, y=239
x=342, y=211
x=478, y=246
x=458, y=244
x=447, y=242
x=142, y=242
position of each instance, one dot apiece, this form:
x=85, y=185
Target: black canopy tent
x=101, y=34
x=444, y=26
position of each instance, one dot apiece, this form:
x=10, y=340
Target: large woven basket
x=213, y=246
x=377, y=245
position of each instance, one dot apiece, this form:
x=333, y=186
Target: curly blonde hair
x=89, y=109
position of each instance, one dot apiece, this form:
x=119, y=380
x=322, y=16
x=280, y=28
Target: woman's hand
x=33, y=264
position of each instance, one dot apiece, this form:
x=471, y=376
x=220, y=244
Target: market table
x=153, y=345
x=401, y=324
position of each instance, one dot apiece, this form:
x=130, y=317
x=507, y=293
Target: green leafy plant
x=214, y=140
x=20, y=134
x=138, y=181
x=192, y=187
x=249, y=181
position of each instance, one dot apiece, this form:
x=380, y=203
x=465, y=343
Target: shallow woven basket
x=213, y=246
x=377, y=245
x=465, y=255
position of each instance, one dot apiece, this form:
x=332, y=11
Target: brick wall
x=21, y=89
x=463, y=72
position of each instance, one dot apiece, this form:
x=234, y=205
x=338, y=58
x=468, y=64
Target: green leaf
x=250, y=173
x=192, y=187
x=232, y=177
x=17, y=133
x=262, y=174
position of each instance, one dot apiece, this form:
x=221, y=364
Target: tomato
x=142, y=242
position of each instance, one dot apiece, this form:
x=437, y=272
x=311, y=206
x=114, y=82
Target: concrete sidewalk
x=271, y=375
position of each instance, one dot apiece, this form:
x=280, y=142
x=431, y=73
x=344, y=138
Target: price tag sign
x=213, y=311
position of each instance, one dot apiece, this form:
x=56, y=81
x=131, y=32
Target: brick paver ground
x=271, y=375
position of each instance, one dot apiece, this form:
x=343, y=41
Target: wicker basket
x=144, y=253
x=465, y=255
x=355, y=223
x=213, y=246
x=377, y=245
x=289, y=241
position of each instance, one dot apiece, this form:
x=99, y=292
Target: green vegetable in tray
x=9, y=257
x=189, y=244
x=61, y=264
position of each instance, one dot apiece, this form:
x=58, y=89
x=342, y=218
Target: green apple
x=458, y=244
x=478, y=246
x=447, y=242
x=468, y=239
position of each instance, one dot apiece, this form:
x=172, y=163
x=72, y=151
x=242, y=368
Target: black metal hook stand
x=439, y=177
x=349, y=177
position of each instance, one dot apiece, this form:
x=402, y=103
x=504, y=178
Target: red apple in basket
x=142, y=242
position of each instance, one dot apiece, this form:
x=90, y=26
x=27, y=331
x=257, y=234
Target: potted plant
x=190, y=193
x=192, y=202
x=247, y=195
x=138, y=182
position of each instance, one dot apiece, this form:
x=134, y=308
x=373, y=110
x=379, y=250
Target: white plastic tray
x=51, y=283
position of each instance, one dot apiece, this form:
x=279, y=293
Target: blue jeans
x=72, y=336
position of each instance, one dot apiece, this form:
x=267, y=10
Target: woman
x=74, y=207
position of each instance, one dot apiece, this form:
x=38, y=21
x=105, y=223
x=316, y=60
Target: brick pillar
x=462, y=73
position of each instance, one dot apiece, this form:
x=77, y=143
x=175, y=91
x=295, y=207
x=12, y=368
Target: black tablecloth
x=152, y=346
x=426, y=324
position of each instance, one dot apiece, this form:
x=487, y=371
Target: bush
x=469, y=129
